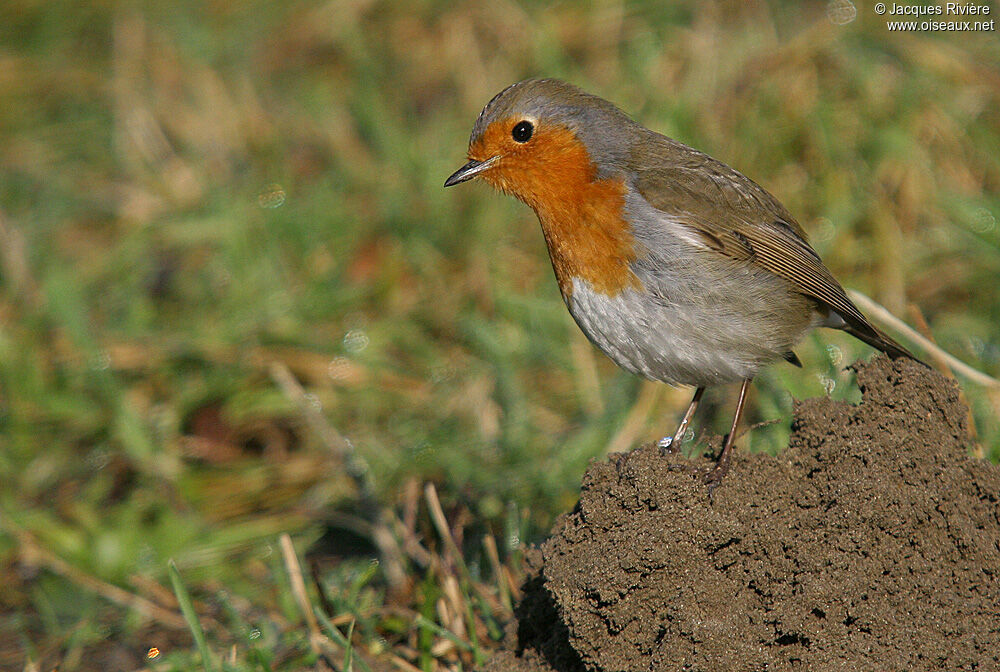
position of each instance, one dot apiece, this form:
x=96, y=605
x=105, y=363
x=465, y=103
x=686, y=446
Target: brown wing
x=736, y=217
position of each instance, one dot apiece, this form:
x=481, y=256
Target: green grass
x=190, y=194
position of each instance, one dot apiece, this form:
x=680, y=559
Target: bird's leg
x=714, y=477
x=673, y=445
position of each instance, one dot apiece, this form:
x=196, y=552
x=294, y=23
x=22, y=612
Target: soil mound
x=872, y=542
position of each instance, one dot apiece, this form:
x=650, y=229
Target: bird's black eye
x=522, y=132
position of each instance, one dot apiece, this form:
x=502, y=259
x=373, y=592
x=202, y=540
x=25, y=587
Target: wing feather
x=736, y=217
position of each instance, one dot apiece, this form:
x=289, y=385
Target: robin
x=676, y=266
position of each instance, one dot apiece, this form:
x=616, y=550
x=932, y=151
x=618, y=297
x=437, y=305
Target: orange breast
x=582, y=217
x=589, y=239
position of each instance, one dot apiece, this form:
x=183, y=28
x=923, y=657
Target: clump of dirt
x=872, y=542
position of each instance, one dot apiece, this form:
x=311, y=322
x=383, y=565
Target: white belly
x=680, y=343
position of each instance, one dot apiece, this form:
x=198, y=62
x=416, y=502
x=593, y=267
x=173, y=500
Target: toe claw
x=666, y=446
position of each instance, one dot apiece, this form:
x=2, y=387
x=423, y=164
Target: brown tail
x=877, y=339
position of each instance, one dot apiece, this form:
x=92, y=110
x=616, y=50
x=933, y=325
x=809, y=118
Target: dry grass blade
x=389, y=552
x=332, y=439
x=490, y=544
x=460, y=618
x=299, y=591
x=885, y=317
x=441, y=524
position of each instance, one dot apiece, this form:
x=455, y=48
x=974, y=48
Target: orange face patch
x=582, y=217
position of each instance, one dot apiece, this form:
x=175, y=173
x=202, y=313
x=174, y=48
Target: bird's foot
x=715, y=475
x=668, y=446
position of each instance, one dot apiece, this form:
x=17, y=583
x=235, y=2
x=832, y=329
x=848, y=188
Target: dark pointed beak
x=469, y=171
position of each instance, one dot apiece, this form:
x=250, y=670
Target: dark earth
x=871, y=543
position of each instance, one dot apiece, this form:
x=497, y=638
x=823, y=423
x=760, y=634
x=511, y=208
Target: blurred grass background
x=196, y=198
